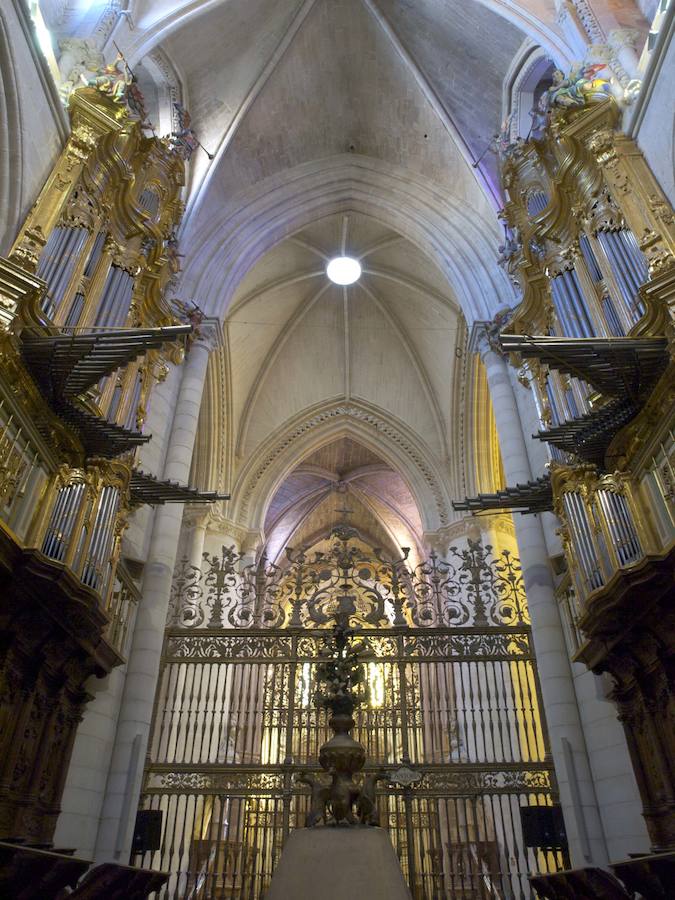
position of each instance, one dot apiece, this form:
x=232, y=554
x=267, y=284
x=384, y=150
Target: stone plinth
x=337, y=863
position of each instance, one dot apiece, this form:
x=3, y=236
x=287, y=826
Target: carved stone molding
x=347, y=411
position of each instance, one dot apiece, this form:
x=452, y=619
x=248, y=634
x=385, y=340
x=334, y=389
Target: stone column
x=623, y=42
x=133, y=728
x=577, y=795
x=200, y=524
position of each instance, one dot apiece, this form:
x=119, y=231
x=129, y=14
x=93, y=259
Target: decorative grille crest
x=475, y=586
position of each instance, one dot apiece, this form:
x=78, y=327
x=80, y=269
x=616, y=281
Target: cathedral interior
x=337, y=396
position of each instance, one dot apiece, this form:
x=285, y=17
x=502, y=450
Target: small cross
x=345, y=511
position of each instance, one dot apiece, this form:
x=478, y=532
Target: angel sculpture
x=539, y=115
x=190, y=314
x=579, y=88
x=113, y=80
x=184, y=142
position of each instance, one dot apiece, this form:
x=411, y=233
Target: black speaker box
x=147, y=831
x=543, y=826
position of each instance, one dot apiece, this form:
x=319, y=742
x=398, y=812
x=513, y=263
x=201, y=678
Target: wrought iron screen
x=455, y=700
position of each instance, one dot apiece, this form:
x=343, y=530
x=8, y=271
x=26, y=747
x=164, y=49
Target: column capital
x=208, y=334
x=483, y=338
x=484, y=335
x=478, y=338
x=198, y=515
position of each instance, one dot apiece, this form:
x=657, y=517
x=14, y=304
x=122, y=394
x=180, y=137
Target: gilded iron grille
x=235, y=721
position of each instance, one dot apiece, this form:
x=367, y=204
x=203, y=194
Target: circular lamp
x=343, y=270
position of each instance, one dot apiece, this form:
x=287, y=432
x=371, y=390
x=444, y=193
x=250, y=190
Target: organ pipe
x=58, y=261
x=628, y=267
x=582, y=540
x=116, y=299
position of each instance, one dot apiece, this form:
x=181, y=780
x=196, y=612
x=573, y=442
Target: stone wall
x=33, y=124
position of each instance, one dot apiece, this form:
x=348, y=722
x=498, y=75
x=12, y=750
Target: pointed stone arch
x=375, y=429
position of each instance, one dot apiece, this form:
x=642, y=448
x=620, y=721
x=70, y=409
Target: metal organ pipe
x=99, y=548
x=617, y=534
x=581, y=534
x=589, y=257
x=628, y=265
x=114, y=403
x=577, y=303
x=52, y=252
x=614, y=325
x=581, y=392
x=116, y=299
x=75, y=310
x=570, y=305
x=62, y=520
x=552, y=402
x=561, y=307
x=537, y=203
x=89, y=574
x=623, y=534
x=49, y=543
x=60, y=259
x=48, y=264
x=95, y=254
x=130, y=422
x=629, y=241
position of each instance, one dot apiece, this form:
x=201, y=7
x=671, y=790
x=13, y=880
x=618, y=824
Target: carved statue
x=343, y=795
x=366, y=807
x=579, y=88
x=190, y=314
x=79, y=60
x=510, y=248
x=184, y=141
x=319, y=799
x=113, y=80
x=539, y=115
x=492, y=330
x=504, y=145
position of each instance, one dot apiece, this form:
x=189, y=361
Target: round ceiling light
x=343, y=270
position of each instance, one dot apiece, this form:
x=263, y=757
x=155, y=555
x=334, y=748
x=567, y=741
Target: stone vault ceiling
x=296, y=340
x=389, y=344
x=349, y=77
x=342, y=125
x=310, y=106
x=342, y=481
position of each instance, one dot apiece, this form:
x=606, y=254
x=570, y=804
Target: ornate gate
x=454, y=716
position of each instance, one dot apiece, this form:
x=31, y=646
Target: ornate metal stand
x=342, y=688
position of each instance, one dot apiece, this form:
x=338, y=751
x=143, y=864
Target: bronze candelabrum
x=342, y=687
